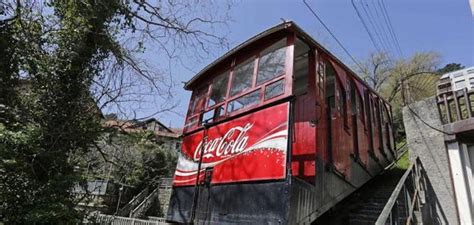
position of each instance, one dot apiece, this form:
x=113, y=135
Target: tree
x=138, y=159
x=376, y=69
x=450, y=67
x=75, y=55
x=402, y=81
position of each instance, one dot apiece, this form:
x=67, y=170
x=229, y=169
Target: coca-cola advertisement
x=251, y=147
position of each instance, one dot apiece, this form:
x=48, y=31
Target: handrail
x=387, y=210
x=109, y=219
x=409, y=192
x=146, y=202
x=137, y=199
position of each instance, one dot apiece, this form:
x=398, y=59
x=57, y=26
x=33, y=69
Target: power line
x=390, y=32
x=366, y=27
x=384, y=27
x=373, y=26
x=374, y=23
x=391, y=27
x=378, y=26
x=332, y=34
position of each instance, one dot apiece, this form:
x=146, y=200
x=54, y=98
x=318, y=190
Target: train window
x=197, y=104
x=320, y=78
x=343, y=105
x=208, y=116
x=242, y=78
x=218, y=89
x=360, y=108
x=382, y=118
x=354, y=100
x=367, y=109
x=191, y=122
x=272, y=62
x=245, y=101
x=330, y=85
x=300, y=67
x=213, y=114
x=274, y=89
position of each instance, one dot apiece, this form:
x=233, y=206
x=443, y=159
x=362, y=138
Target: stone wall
x=428, y=144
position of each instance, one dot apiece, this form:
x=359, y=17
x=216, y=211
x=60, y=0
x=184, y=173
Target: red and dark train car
x=277, y=132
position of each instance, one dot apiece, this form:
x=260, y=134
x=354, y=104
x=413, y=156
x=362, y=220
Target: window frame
x=211, y=88
x=231, y=78
x=273, y=81
x=230, y=71
x=260, y=55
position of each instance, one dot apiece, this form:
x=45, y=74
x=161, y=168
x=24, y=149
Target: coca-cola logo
x=233, y=142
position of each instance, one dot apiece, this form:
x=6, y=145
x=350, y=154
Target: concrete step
x=364, y=206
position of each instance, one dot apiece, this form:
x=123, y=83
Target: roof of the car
x=274, y=29
x=286, y=25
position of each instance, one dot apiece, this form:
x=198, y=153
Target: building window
x=219, y=89
x=460, y=84
x=272, y=62
x=242, y=78
x=244, y=101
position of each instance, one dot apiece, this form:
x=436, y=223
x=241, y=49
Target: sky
x=443, y=26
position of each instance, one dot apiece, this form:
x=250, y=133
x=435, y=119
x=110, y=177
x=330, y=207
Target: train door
x=322, y=129
x=303, y=154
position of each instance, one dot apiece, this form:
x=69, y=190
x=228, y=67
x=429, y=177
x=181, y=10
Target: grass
x=404, y=161
x=400, y=143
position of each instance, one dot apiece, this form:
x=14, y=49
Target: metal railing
x=413, y=195
x=118, y=220
x=456, y=105
x=141, y=209
x=132, y=204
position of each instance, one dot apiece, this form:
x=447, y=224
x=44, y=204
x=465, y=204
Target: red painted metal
x=251, y=144
x=303, y=155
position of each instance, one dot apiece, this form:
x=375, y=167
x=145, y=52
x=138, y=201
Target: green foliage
x=62, y=58
x=32, y=192
x=450, y=67
x=36, y=172
x=138, y=160
x=404, y=161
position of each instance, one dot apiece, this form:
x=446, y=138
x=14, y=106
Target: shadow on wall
x=425, y=140
x=431, y=211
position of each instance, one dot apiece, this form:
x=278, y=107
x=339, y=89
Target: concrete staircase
x=365, y=205
x=146, y=201
x=367, y=212
x=132, y=204
x=141, y=210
